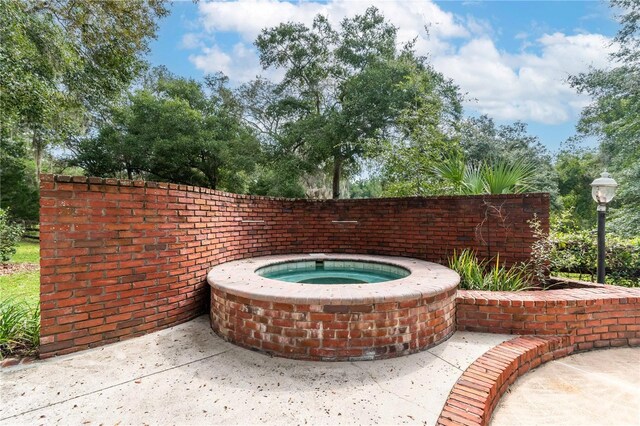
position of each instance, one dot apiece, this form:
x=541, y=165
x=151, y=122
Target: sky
x=511, y=59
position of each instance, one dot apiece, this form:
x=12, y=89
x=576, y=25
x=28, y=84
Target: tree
x=63, y=59
x=471, y=156
x=614, y=116
x=10, y=235
x=366, y=188
x=424, y=134
x=268, y=110
x=18, y=185
x=176, y=130
x=342, y=91
x=482, y=141
x=576, y=169
x=277, y=179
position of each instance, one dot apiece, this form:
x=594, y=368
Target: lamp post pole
x=603, y=190
x=602, y=212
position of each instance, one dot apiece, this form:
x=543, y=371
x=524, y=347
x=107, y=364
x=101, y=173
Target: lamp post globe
x=603, y=189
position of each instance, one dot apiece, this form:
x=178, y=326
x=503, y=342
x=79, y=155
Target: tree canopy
x=576, y=169
x=174, y=129
x=614, y=116
x=482, y=140
x=343, y=91
x=18, y=188
x=61, y=60
x=355, y=113
x=468, y=158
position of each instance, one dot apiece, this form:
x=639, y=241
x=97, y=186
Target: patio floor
x=591, y=388
x=188, y=375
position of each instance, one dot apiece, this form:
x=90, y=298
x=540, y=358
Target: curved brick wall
x=334, y=332
x=477, y=392
x=122, y=258
x=333, y=323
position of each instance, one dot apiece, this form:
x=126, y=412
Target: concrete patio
x=187, y=375
x=591, y=388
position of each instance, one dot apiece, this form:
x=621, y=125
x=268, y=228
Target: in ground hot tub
x=320, y=271
x=334, y=306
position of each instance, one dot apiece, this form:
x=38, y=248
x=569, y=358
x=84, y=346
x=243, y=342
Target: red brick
x=66, y=319
x=167, y=255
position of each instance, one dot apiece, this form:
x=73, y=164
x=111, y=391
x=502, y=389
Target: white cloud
x=246, y=19
x=191, y=41
x=249, y=17
x=478, y=27
x=526, y=86
x=212, y=59
x=508, y=86
x=241, y=63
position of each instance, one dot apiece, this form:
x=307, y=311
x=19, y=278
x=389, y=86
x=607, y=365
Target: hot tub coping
x=426, y=279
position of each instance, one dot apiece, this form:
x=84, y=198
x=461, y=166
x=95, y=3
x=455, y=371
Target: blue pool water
x=333, y=272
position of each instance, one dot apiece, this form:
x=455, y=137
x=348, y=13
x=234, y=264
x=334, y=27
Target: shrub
x=577, y=252
x=485, y=275
x=10, y=235
x=19, y=328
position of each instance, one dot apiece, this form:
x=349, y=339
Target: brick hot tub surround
x=333, y=322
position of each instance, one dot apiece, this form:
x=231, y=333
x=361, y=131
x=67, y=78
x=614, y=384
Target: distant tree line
x=355, y=114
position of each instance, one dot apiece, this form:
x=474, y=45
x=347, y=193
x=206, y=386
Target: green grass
x=22, y=286
x=611, y=278
x=20, y=305
x=574, y=276
x=27, y=252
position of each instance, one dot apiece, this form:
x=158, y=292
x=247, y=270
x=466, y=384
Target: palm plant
x=473, y=179
x=502, y=177
x=497, y=177
x=451, y=171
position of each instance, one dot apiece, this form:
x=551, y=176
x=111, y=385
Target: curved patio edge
x=555, y=323
x=477, y=392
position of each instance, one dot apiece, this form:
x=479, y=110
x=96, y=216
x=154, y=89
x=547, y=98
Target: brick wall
x=556, y=323
x=594, y=317
x=334, y=332
x=123, y=258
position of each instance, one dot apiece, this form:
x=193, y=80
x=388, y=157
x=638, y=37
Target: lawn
x=574, y=276
x=27, y=252
x=20, y=304
x=23, y=286
x=611, y=278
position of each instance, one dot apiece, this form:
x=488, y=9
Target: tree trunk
x=212, y=177
x=337, y=172
x=36, y=144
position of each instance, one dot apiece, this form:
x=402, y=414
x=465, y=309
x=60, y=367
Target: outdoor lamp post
x=603, y=190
